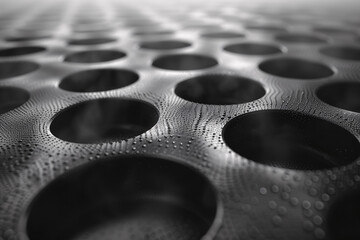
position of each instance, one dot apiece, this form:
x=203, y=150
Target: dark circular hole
x=343, y=221
x=90, y=41
x=18, y=51
x=291, y=140
x=104, y=120
x=219, y=89
x=98, y=80
x=11, y=98
x=300, y=38
x=153, y=32
x=16, y=68
x=184, y=62
x=220, y=35
x=130, y=197
x=252, y=49
x=295, y=68
x=346, y=53
x=94, y=56
x=266, y=28
x=332, y=31
x=345, y=95
x=164, y=45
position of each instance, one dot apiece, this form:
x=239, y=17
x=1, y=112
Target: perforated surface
x=290, y=57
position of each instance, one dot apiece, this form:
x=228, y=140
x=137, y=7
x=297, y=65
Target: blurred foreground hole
x=129, y=197
x=300, y=38
x=343, y=220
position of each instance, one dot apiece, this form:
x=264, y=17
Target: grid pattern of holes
x=131, y=27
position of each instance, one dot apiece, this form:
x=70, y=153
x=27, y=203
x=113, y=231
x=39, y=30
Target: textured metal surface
x=262, y=100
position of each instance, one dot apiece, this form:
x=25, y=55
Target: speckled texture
x=259, y=201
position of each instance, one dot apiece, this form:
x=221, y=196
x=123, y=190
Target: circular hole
x=184, y=62
x=90, y=41
x=153, y=33
x=217, y=35
x=219, y=89
x=343, y=220
x=252, y=49
x=291, y=140
x=130, y=197
x=300, y=38
x=345, y=53
x=266, y=28
x=164, y=45
x=98, y=80
x=94, y=56
x=11, y=98
x=16, y=68
x=18, y=51
x=295, y=68
x=104, y=120
x=332, y=30
x=345, y=95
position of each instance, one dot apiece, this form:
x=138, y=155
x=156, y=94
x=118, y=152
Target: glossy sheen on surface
x=273, y=132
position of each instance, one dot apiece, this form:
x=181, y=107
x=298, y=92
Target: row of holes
x=284, y=37
x=207, y=89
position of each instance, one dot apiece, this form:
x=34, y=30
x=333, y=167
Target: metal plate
x=255, y=103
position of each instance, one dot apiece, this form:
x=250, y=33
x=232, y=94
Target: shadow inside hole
x=294, y=68
x=289, y=139
x=344, y=95
x=300, y=38
x=98, y=80
x=16, y=68
x=94, y=56
x=131, y=197
x=219, y=35
x=219, y=89
x=184, y=62
x=18, y=51
x=164, y=45
x=266, y=28
x=104, y=120
x=343, y=220
x=11, y=98
x=333, y=31
x=252, y=49
x=345, y=53
x=90, y=41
